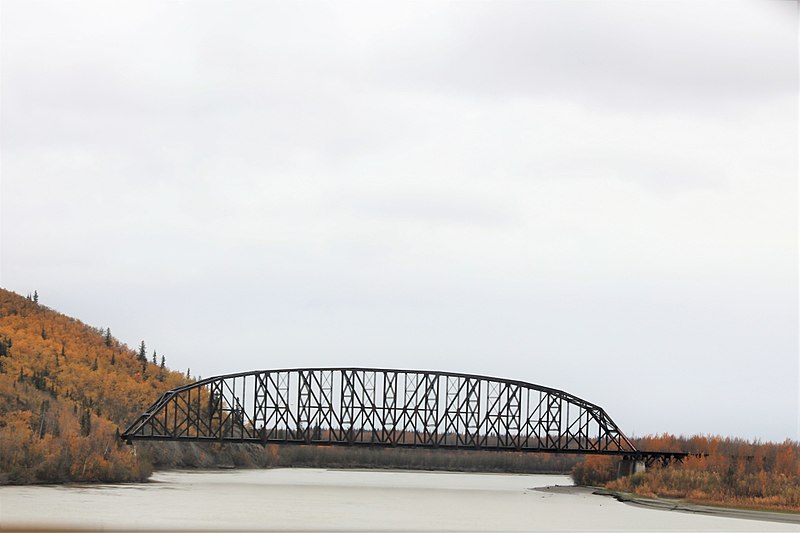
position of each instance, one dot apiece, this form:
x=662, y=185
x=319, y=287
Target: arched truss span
x=380, y=407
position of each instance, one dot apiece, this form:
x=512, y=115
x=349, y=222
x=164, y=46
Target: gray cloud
x=647, y=57
x=598, y=196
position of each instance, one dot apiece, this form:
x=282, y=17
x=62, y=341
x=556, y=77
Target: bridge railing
x=381, y=407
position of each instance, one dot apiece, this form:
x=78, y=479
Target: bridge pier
x=629, y=466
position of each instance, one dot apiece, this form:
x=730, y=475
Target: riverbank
x=683, y=506
x=725, y=472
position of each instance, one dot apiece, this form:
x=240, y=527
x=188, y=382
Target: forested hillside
x=65, y=390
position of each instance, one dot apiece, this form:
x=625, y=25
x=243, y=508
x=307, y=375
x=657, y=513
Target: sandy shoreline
x=673, y=505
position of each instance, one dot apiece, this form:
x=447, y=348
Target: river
x=315, y=499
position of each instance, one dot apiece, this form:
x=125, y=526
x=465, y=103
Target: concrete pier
x=629, y=466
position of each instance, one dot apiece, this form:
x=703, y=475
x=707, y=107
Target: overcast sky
x=594, y=196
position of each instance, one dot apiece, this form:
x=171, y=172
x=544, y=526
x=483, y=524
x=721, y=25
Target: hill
x=66, y=388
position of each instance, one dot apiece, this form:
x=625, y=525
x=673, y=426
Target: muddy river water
x=315, y=499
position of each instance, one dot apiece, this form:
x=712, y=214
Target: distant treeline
x=735, y=472
x=206, y=455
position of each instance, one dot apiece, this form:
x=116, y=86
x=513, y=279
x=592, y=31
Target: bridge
x=388, y=408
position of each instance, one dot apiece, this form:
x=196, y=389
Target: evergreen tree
x=86, y=422
x=5, y=346
x=155, y=360
x=44, y=333
x=107, y=337
x=94, y=365
x=188, y=373
x=35, y=297
x=113, y=358
x=142, y=353
x=163, y=362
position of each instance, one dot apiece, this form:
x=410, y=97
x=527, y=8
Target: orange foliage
x=595, y=470
x=733, y=472
x=65, y=389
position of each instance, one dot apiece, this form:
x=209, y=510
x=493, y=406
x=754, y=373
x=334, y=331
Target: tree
x=155, y=360
x=86, y=422
x=113, y=358
x=188, y=373
x=142, y=353
x=107, y=337
x=163, y=362
x=35, y=297
x=5, y=346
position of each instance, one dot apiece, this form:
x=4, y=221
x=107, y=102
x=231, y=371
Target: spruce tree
x=86, y=422
x=142, y=353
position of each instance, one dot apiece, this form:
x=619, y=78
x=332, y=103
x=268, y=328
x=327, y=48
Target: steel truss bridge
x=389, y=408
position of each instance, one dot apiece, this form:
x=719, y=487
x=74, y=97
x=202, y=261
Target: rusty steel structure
x=382, y=407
